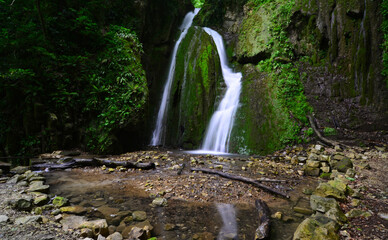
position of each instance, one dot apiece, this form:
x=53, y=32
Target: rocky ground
x=334, y=194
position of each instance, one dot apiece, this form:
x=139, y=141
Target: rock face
x=342, y=76
x=196, y=86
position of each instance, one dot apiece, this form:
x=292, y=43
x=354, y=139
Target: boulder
x=327, y=190
x=311, y=171
x=22, y=204
x=71, y=221
x=15, y=179
x=138, y=234
x=317, y=227
x=343, y=165
x=322, y=204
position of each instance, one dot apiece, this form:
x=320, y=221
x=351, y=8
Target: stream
x=197, y=203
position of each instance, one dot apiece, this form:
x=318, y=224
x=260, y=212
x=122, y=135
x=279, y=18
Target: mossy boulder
x=196, y=86
x=60, y=201
x=317, y=227
x=343, y=165
x=327, y=190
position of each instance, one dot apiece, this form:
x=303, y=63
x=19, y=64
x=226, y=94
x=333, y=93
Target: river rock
x=327, y=190
x=71, y=221
x=22, y=204
x=99, y=226
x=79, y=210
x=86, y=233
x=322, y=204
x=302, y=210
x=41, y=200
x=60, y=201
x=15, y=179
x=38, y=186
x=317, y=227
x=115, y=236
x=161, y=202
x=343, y=165
x=137, y=234
x=4, y=218
x=139, y=216
x=20, y=169
x=27, y=220
x=354, y=213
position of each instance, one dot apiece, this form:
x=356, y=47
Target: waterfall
x=157, y=135
x=221, y=123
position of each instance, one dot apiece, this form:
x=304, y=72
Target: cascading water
x=157, y=135
x=221, y=123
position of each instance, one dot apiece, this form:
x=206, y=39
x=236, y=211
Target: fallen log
x=263, y=230
x=241, y=179
x=95, y=162
x=319, y=135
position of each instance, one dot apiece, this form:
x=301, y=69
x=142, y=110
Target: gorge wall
x=302, y=57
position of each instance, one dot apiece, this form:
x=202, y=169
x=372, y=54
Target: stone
x=322, y=204
x=115, y=236
x=137, y=233
x=86, y=232
x=350, y=173
x=339, y=183
x=60, y=201
x=343, y=165
x=36, y=178
x=79, y=210
x=338, y=157
x=169, y=227
x=72, y=221
x=112, y=229
x=38, y=186
x=354, y=213
x=277, y=215
x=355, y=202
x=15, y=179
x=139, y=216
x=319, y=147
x=22, y=184
x=313, y=157
x=313, y=164
x=323, y=158
x=383, y=216
x=58, y=217
x=100, y=237
x=20, y=169
x=325, y=169
x=108, y=213
x=23, y=204
x=161, y=202
x=327, y=190
x=307, y=191
x=41, y=200
x=28, y=220
x=302, y=210
x=99, y=226
x=56, y=212
x=317, y=227
x=302, y=159
x=4, y=218
x=203, y=236
x=38, y=210
x=309, y=171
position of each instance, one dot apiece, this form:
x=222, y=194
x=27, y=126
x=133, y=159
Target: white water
x=221, y=124
x=157, y=135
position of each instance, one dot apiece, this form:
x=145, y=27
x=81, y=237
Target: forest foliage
x=71, y=63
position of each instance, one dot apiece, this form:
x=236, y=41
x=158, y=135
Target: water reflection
x=229, y=227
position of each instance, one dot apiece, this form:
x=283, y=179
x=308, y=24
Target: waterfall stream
x=221, y=123
x=158, y=134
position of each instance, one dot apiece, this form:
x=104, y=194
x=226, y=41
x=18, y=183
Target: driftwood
x=242, y=179
x=263, y=230
x=92, y=163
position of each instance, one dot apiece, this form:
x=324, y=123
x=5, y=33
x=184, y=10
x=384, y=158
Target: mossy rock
x=195, y=89
x=317, y=227
x=343, y=165
x=60, y=201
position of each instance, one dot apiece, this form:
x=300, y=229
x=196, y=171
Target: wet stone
x=28, y=220
x=139, y=216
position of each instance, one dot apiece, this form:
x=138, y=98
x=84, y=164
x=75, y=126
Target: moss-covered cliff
x=195, y=89
x=321, y=56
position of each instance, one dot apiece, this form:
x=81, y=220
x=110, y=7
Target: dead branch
x=241, y=179
x=263, y=230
